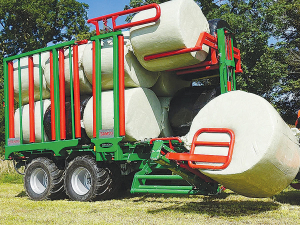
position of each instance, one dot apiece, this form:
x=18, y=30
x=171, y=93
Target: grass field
x=226, y=208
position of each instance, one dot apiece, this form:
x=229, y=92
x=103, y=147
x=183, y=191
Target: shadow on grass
x=222, y=208
x=291, y=197
x=22, y=194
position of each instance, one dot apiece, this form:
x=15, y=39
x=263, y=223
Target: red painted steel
x=121, y=86
x=76, y=92
x=170, y=139
x=62, y=94
x=31, y=99
x=114, y=16
x=94, y=89
x=192, y=158
x=237, y=56
x=197, y=173
x=85, y=41
x=11, y=100
x=204, y=39
x=228, y=85
x=53, y=133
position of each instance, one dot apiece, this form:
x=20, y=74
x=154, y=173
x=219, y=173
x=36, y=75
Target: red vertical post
x=228, y=85
x=76, y=93
x=121, y=86
x=62, y=94
x=31, y=99
x=94, y=89
x=53, y=133
x=11, y=101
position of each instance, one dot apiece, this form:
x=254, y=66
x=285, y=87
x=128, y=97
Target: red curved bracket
x=212, y=158
x=114, y=16
x=192, y=158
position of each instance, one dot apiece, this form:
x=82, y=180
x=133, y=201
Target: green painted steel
x=159, y=161
x=98, y=87
x=222, y=59
x=159, y=177
x=6, y=112
x=226, y=66
x=61, y=45
x=20, y=101
x=55, y=146
x=41, y=98
x=72, y=92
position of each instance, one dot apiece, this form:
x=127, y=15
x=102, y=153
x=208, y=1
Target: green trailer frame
x=144, y=157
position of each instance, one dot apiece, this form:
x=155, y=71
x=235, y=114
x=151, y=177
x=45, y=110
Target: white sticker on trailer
x=106, y=133
x=13, y=141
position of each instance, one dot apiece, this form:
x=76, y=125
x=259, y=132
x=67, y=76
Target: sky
x=104, y=7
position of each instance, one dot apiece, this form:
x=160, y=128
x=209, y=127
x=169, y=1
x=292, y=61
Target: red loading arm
x=114, y=16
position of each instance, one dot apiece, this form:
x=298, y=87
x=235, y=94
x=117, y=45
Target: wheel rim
x=39, y=181
x=81, y=181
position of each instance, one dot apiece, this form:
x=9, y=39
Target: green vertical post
x=41, y=97
x=116, y=85
x=56, y=94
x=72, y=92
x=20, y=101
x=222, y=64
x=98, y=87
x=5, y=70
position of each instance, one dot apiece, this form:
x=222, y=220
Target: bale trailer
x=99, y=169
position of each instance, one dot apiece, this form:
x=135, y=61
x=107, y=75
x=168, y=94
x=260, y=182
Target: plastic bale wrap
x=135, y=74
x=84, y=84
x=26, y=121
x=47, y=120
x=179, y=27
x=25, y=80
x=186, y=104
x=168, y=84
x=143, y=114
x=166, y=127
x=266, y=154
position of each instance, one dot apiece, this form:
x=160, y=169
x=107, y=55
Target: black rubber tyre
x=43, y=180
x=86, y=180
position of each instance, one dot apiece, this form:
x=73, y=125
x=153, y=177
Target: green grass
x=227, y=208
x=8, y=173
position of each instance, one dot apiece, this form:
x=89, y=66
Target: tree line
x=266, y=32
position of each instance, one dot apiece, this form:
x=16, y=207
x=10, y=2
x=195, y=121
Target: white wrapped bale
x=168, y=84
x=266, y=154
x=85, y=86
x=166, y=127
x=135, y=74
x=26, y=121
x=25, y=80
x=143, y=114
x=179, y=26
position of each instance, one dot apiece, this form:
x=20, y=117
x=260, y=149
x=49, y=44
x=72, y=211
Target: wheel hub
x=39, y=181
x=81, y=181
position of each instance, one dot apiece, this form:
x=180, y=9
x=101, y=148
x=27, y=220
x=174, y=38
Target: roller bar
x=62, y=94
x=31, y=99
x=11, y=101
x=114, y=16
